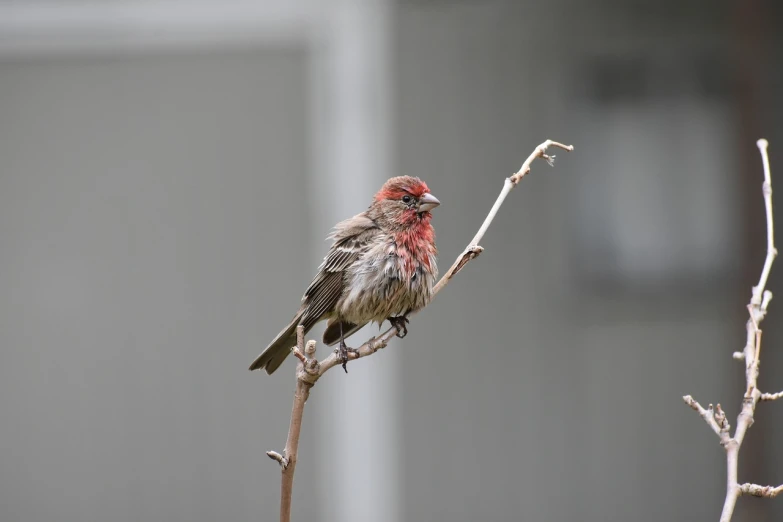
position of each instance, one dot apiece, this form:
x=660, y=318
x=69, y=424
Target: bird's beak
x=428, y=202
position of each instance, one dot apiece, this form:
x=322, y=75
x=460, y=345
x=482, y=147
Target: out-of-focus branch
x=771, y=396
x=715, y=418
x=761, y=491
x=757, y=310
x=309, y=369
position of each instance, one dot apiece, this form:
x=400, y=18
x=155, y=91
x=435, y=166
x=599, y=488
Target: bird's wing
x=352, y=238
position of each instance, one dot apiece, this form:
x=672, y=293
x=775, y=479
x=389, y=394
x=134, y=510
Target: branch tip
x=298, y=354
x=278, y=458
x=539, y=152
x=720, y=418
x=710, y=416
x=766, y=298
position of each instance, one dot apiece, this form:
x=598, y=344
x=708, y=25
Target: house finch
x=381, y=266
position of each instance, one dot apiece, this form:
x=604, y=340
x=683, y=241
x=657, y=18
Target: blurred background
x=169, y=172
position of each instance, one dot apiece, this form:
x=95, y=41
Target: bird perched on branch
x=381, y=266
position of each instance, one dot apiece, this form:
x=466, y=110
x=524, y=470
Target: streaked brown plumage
x=381, y=265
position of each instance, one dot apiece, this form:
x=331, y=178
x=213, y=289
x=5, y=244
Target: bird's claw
x=343, y=352
x=400, y=323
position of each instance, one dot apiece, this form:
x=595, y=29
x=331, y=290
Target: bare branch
x=760, y=491
x=310, y=348
x=278, y=457
x=288, y=460
x=723, y=424
x=540, y=152
x=766, y=188
x=732, y=490
x=757, y=311
x=309, y=369
x=473, y=249
x=299, y=355
x=708, y=415
x=771, y=396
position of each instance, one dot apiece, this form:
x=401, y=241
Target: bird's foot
x=343, y=350
x=401, y=324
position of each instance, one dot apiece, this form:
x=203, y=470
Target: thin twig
x=771, y=396
x=473, y=249
x=761, y=491
x=708, y=415
x=309, y=369
x=758, y=290
x=757, y=310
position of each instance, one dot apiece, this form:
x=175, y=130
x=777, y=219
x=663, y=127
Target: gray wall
x=141, y=199
x=547, y=383
x=152, y=241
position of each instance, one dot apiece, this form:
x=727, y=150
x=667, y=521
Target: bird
x=382, y=265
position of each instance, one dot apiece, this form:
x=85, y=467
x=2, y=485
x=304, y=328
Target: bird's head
x=405, y=200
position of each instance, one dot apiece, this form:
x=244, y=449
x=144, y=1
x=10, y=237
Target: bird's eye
x=406, y=199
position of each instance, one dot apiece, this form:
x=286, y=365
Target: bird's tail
x=274, y=355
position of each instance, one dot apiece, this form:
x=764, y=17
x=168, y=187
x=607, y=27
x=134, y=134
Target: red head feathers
x=397, y=187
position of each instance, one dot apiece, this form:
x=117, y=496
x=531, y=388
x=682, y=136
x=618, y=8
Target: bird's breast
x=389, y=280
